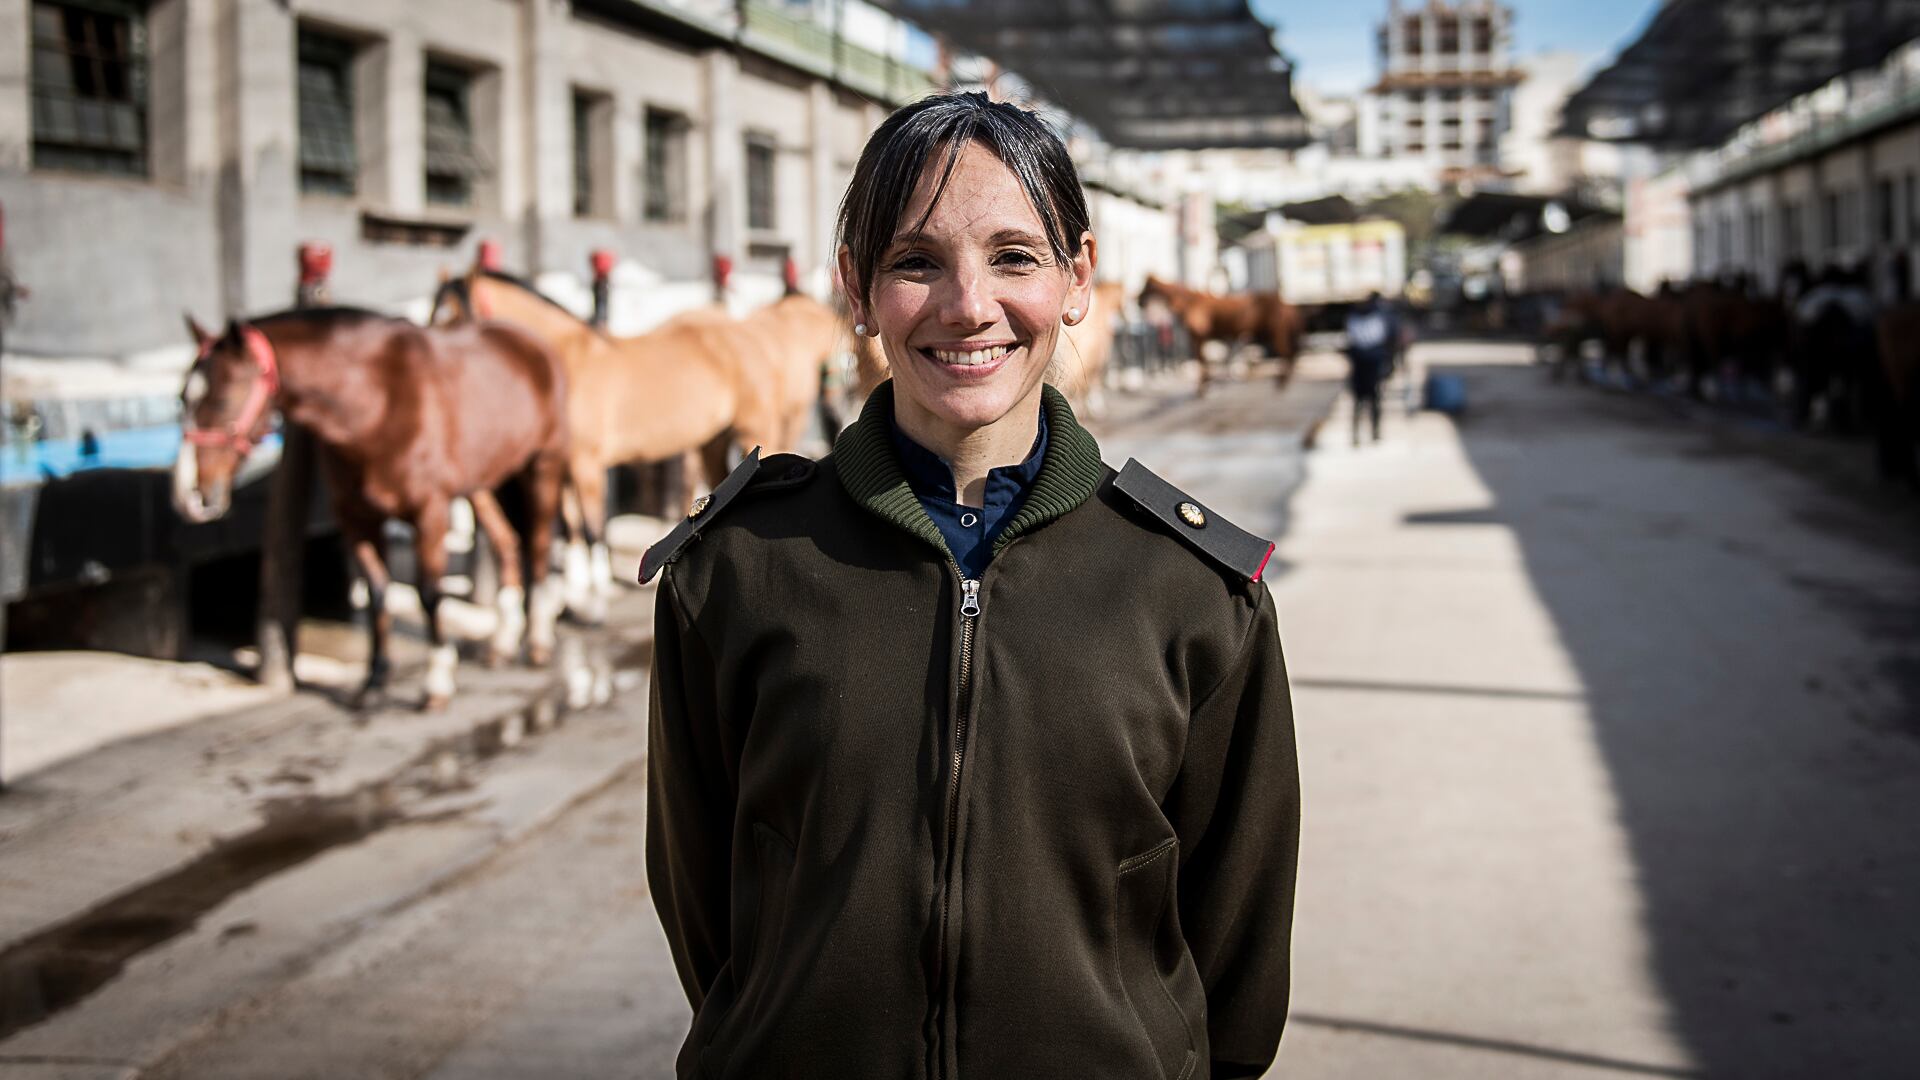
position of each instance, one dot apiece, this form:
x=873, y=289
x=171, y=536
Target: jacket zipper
x=969, y=611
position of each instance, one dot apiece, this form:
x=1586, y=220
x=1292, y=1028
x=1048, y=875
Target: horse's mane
x=458, y=287
x=330, y=314
x=527, y=286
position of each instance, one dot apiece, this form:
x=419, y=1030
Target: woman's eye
x=907, y=264
x=1016, y=259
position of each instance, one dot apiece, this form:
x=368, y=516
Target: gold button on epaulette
x=1192, y=514
x=699, y=506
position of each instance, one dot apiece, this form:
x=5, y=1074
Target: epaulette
x=705, y=509
x=1211, y=534
x=754, y=473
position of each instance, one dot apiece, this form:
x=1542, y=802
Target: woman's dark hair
x=901, y=148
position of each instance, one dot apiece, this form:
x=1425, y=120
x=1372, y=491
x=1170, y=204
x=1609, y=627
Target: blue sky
x=1331, y=41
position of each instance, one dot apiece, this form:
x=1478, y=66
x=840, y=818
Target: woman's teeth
x=971, y=357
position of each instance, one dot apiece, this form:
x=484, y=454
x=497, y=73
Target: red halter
x=239, y=433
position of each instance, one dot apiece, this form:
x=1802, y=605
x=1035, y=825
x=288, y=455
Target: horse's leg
x=590, y=603
x=579, y=577
x=511, y=600
x=367, y=545
x=430, y=554
x=544, y=482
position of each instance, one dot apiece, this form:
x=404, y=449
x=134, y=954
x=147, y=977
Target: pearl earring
x=860, y=329
x=1073, y=315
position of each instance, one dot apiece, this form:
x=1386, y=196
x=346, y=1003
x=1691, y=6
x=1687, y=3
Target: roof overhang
x=1148, y=74
x=1702, y=68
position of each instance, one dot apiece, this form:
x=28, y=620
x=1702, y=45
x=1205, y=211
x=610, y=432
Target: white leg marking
x=602, y=567
x=596, y=611
x=579, y=576
x=548, y=601
x=512, y=622
x=440, y=668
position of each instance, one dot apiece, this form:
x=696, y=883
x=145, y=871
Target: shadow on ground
x=1752, y=661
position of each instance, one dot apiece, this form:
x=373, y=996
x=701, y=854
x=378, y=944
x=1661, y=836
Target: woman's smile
x=971, y=360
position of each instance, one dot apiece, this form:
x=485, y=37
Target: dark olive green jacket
x=1054, y=838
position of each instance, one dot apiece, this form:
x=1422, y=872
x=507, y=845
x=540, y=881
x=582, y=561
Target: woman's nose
x=968, y=301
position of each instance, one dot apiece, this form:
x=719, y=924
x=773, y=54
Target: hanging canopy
x=1702, y=68
x=1148, y=74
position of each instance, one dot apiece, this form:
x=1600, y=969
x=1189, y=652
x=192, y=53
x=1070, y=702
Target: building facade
x=1444, y=97
x=173, y=155
x=1829, y=179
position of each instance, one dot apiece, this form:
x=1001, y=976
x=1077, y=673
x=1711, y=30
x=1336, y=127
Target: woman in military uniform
x=968, y=755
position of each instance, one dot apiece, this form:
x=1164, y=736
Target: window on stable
x=90, y=86
x=329, y=161
x=664, y=190
x=453, y=161
x=760, y=183
x=592, y=154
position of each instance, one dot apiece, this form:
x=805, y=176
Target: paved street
x=1608, y=730
x=1609, y=723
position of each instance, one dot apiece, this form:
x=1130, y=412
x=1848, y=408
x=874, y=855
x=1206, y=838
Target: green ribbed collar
x=865, y=462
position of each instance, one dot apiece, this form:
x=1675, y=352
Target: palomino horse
x=1080, y=360
x=1232, y=320
x=406, y=420
x=702, y=381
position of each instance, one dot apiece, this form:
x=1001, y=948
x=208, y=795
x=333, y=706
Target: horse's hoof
x=539, y=655
x=369, y=699
x=434, y=703
x=498, y=658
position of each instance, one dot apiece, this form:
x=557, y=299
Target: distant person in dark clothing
x=1373, y=333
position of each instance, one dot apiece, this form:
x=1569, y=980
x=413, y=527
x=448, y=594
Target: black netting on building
x=1150, y=74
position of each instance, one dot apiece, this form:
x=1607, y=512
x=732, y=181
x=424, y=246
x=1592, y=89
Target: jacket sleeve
x=690, y=800
x=1236, y=809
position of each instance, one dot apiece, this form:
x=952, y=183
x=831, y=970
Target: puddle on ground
x=63, y=965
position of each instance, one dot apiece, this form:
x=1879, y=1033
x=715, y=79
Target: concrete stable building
x=172, y=155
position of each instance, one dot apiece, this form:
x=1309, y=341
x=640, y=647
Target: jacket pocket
x=756, y=947
x=1148, y=947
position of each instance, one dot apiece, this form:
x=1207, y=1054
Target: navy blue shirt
x=969, y=531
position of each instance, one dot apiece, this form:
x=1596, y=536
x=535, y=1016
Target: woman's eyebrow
x=1021, y=235
x=1003, y=236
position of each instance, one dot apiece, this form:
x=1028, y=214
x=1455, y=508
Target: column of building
x=259, y=175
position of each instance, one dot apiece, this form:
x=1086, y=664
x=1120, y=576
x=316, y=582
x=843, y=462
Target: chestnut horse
x=406, y=421
x=1232, y=320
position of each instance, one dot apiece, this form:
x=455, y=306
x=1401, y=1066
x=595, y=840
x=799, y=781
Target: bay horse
x=406, y=420
x=1235, y=320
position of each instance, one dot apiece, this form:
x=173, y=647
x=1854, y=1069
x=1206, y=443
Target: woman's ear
x=1080, y=294
x=850, y=283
